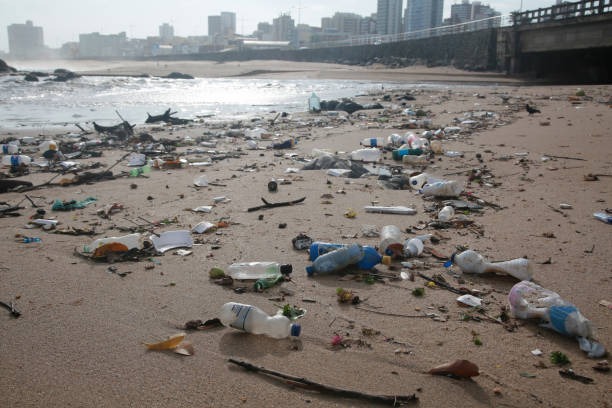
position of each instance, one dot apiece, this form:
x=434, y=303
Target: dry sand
x=79, y=339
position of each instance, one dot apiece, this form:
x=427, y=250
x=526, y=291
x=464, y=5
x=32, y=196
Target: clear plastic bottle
x=372, y=142
x=446, y=213
x=370, y=259
x=602, y=216
x=258, y=270
x=336, y=260
x=253, y=320
x=472, y=262
x=447, y=188
x=391, y=241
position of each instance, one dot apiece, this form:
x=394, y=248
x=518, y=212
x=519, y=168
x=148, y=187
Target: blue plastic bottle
x=370, y=259
x=336, y=260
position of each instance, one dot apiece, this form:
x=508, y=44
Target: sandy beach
x=79, y=338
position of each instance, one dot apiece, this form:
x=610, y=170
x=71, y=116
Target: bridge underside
x=589, y=65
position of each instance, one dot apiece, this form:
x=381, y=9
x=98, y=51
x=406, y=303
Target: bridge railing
x=377, y=39
x=562, y=12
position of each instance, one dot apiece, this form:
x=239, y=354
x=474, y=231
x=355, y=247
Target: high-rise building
x=214, y=26
x=389, y=17
x=283, y=28
x=166, y=32
x=25, y=40
x=348, y=23
x=96, y=45
x=423, y=14
x=228, y=24
x=466, y=11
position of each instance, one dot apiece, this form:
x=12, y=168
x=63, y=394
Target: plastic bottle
x=448, y=188
x=258, y=270
x=370, y=259
x=27, y=240
x=472, y=262
x=336, y=260
x=367, y=155
x=314, y=103
x=411, y=159
x=413, y=247
x=398, y=209
x=446, y=213
x=10, y=148
x=16, y=160
x=417, y=182
x=372, y=142
x=529, y=300
x=253, y=320
x=391, y=242
x=602, y=216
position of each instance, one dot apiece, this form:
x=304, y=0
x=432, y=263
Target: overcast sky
x=63, y=20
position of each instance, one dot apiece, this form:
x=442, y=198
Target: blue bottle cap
x=296, y=329
x=309, y=270
x=449, y=263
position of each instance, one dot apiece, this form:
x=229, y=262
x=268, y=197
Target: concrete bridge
x=567, y=39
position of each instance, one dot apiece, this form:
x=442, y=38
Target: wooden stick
x=564, y=157
x=394, y=400
x=389, y=314
x=274, y=205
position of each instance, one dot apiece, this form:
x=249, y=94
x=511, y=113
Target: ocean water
x=47, y=104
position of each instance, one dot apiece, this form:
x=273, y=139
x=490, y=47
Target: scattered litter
x=457, y=368
x=172, y=239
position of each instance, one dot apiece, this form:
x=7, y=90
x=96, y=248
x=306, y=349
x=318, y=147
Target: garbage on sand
x=472, y=262
x=529, y=300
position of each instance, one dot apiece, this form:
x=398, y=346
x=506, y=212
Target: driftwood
x=393, y=400
x=274, y=205
x=10, y=184
x=123, y=129
x=167, y=118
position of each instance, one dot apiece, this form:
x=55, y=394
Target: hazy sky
x=63, y=20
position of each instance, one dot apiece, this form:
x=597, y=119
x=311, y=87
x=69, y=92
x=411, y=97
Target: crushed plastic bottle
x=266, y=274
x=472, y=262
x=370, y=259
x=253, y=320
x=529, y=300
x=336, y=260
x=602, y=216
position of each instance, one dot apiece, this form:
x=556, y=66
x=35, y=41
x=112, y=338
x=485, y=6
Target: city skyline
x=63, y=20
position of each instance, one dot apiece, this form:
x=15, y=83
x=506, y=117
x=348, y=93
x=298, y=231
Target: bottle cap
x=309, y=270
x=296, y=329
x=386, y=260
x=286, y=269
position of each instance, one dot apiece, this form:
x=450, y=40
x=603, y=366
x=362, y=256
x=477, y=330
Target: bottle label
x=241, y=312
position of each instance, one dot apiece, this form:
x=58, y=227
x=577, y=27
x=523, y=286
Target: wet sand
x=79, y=340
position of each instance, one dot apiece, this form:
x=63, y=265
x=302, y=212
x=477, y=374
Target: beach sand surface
x=79, y=339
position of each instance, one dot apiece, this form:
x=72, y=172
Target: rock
x=349, y=106
x=63, y=75
x=5, y=68
x=30, y=77
x=178, y=75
